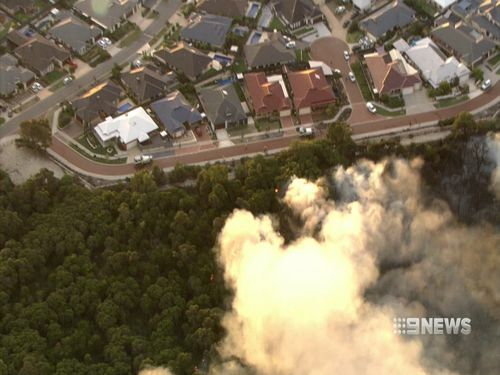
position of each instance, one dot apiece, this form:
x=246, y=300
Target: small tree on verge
x=35, y=134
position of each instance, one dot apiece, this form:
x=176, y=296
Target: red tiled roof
x=388, y=75
x=266, y=96
x=310, y=88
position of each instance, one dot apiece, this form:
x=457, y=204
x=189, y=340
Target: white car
x=339, y=10
x=306, y=132
x=290, y=44
x=36, y=87
x=337, y=71
x=371, y=107
x=67, y=80
x=486, y=85
x=137, y=63
x=106, y=40
x=346, y=55
x=143, y=159
x=352, y=77
x=102, y=44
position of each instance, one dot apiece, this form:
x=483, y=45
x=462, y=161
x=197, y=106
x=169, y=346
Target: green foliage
x=477, y=74
x=35, y=134
x=444, y=88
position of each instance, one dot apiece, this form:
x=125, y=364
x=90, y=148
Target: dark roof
x=16, y=38
x=222, y=104
x=188, y=60
x=106, y=13
x=296, y=10
x=395, y=14
x=310, y=88
x=39, y=53
x=174, y=111
x=227, y=8
x=270, y=52
x=467, y=43
x=465, y=7
x=266, y=96
x=147, y=84
x=101, y=100
x=483, y=23
x=17, y=5
x=74, y=33
x=11, y=74
x=208, y=29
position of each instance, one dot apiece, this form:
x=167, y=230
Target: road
x=165, y=8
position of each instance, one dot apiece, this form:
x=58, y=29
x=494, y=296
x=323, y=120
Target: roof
x=394, y=14
x=433, y=65
x=464, y=7
x=106, y=14
x=208, y=29
x=483, y=23
x=39, y=53
x=227, y=8
x=468, y=44
x=17, y=38
x=390, y=72
x=174, y=111
x=270, y=52
x=146, y=84
x=222, y=104
x=444, y=3
x=129, y=127
x=11, y=74
x=327, y=71
x=17, y=5
x=310, y=88
x=186, y=59
x=74, y=33
x=297, y=10
x=100, y=100
x=266, y=96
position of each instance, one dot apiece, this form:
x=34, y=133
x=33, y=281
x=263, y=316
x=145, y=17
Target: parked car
x=346, y=24
x=486, y=85
x=104, y=42
x=137, y=63
x=142, y=159
x=290, y=44
x=352, y=77
x=36, y=87
x=306, y=131
x=67, y=80
x=339, y=10
x=29, y=33
x=371, y=107
x=346, y=55
x=337, y=71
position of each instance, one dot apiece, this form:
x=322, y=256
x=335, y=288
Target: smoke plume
x=155, y=371
x=324, y=304
x=493, y=143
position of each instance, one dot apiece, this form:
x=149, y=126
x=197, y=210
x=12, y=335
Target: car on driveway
x=67, y=80
x=346, y=55
x=486, y=85
x=352, y=77
x=36, y=87
x=306, y=132
x=371, y=107
x=337, y=72
x=340, y=10
x=104, y=42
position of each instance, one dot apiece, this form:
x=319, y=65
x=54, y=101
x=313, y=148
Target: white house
x=362, y=4
x=128, y=129
x=443, y=4
x=434, y=66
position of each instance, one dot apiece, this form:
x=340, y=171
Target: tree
x=116, y=72
x=35, y=134
x=477, y=74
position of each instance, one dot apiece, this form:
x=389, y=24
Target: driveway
x=418, y=102
x=334, y=23
x=330, y=50
x=321, y=31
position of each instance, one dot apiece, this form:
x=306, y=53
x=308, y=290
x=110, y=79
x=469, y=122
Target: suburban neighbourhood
x=196, y=81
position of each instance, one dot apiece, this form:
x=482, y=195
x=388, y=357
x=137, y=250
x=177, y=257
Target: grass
x=239, y=130
x=239, y=91
x=267, y=124
x=130, y=38
x=87, y=140
x=121, y=31
x=2, y=120
x=494, y=60
x=172, y=37
x=302, y=55
x=354, y=37
x=239, y=65
x=98, y=159
x=451, y=101
x=54, y=76
x=277, y=24
x=303, y=30
x=422, y=7
x=361, y=80
x=95, y=56
x=208, y=74
x=383, y=112
x=6, y=28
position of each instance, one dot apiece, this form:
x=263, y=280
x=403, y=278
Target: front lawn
x=54, y=76
x=383, y=112
x=267, y=124
x=121, y=31
x=302, y=55
x=451, y=101
x=92, y=144
x=354, y=37
x=131, y=38
x=97, y=158
x=2, y=120
x=361, y=81
x=422, y=7
x=492, y=62
x=95, y=56
x=276, y=24
x=303, y=30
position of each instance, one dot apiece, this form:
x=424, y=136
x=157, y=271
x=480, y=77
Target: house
x=174, y=112
x=127, y=130
x=97, y=104
x=108, y=15
x=12, y=76
x=394, y=15
x=15, y=6
x=185, y=59
x=207, y=29
x=310, y=90
x=15, y=39
x=465, y=43
x=325, y=68
x=268, y=97
x=146, y=84
x=41, y=55
x=486, y=26
x=362, y=5
x=222, y=106
x=75, y=34
x=297, y=13
x=226, y=8
x=272, y=51
x=391, y=74
x=444, y=4
x=433, y=65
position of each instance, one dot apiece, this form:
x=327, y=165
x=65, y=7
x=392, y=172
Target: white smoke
x=493, y=143
x=325, y=304
x=155, y=371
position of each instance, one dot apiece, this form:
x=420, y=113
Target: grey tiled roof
x=185, y=59
x=147, y=84
x=38, y=53
x=74, y=33
x=208, y=29
x=395, y=14
x=11, y=74
x=222, y=104
x=107, y=13
x=296, y=10
x=227, y=8
x=270, y=52
x=174, y=111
